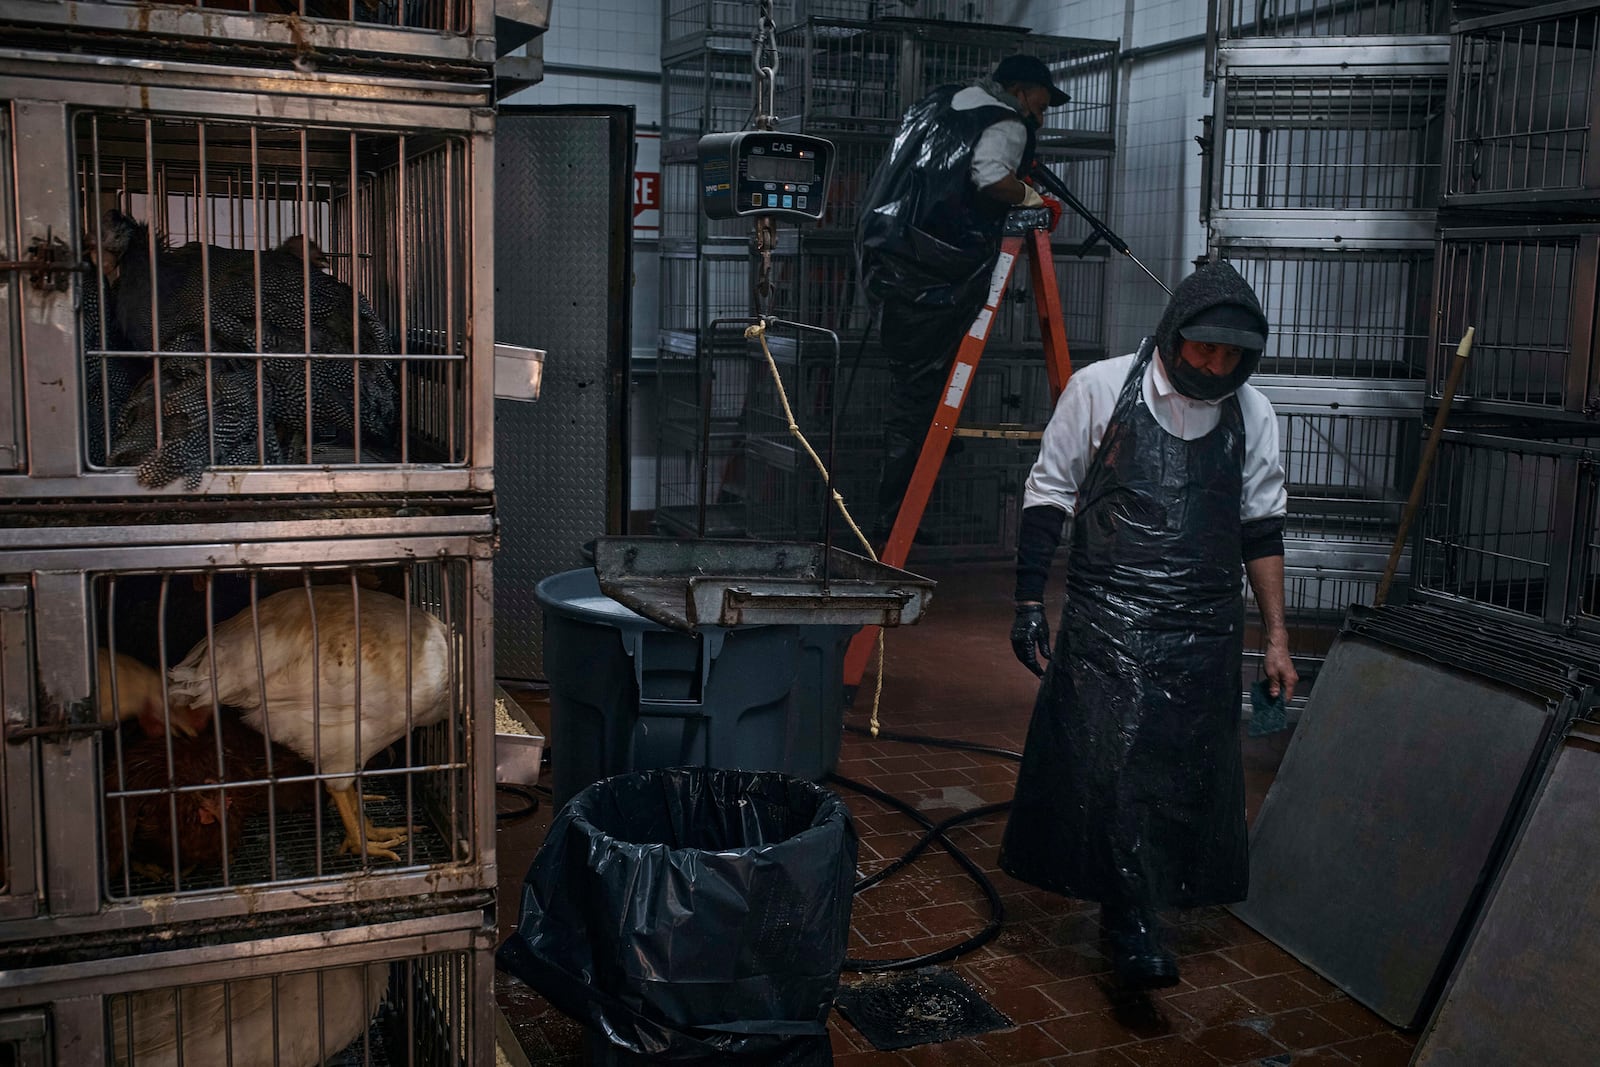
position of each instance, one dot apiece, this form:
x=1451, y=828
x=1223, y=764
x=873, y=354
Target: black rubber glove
x=1030, y=637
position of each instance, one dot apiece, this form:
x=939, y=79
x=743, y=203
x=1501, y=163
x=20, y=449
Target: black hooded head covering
x=1213, y=285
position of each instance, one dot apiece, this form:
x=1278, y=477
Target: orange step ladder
x=1058, y=365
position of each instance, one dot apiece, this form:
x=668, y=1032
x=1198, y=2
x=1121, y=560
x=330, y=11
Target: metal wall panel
x=562, y=273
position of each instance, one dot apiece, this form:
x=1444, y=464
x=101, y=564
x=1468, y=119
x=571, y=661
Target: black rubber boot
x=1137, y=958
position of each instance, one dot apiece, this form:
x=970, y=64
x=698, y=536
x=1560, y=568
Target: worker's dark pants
x=919, y=344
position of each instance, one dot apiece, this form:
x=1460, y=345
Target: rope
x=758, y=332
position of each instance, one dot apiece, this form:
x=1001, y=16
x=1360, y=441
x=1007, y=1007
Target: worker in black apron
x=1131, y=790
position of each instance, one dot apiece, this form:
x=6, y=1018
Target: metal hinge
x=48, y=264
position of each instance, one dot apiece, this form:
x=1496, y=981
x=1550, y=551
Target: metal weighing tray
x=683, y=584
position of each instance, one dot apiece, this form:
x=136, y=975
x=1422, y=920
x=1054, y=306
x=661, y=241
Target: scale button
x=800, y=203
x=755, y=199
x=772, y=199
x=788, y=201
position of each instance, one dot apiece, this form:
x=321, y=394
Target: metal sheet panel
x=1522, y=992
x=563, y=189
x=1368, y=853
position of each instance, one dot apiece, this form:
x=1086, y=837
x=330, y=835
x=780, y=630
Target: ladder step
x=999, y=433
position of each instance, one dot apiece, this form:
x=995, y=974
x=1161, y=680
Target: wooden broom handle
x=1451, y=382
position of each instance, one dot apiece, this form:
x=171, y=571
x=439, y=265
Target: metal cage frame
x=52, y=615
x=44, y=107
x=438, y=998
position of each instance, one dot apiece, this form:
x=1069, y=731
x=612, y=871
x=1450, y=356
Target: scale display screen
x=761, y=172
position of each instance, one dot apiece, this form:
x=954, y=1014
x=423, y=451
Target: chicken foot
x=380, y=839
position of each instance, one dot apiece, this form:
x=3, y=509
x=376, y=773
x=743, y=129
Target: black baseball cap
x=1226, y=324
x=1029, y=70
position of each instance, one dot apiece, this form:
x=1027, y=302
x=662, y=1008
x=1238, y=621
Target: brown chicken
x=313, y=669
x=147, y=846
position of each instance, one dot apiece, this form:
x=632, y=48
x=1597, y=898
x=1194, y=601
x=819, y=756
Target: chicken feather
x=311, y=666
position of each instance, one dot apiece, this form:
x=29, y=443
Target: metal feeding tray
x=706, y=582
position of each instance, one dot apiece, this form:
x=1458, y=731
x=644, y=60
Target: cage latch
x=61, y=722
x=48, y=264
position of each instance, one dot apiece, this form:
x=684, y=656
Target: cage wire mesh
x=697, y=289
x=1331, y=18
x=1341, y=314
x=399, y=1013
x=449, y=16
x=704, y=91
x=238, y=239
x=20, y=755
x=1588, y=562
x=1348, y=476
x=1315, y=601
x=1336, y=143
x=1496, y=526
x=1524, y=109
x=1531, y=294
x=862, y=76
x=683, y=221
x=202, y=790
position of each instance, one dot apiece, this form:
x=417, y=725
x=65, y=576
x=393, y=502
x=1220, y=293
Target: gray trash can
x=627, y=694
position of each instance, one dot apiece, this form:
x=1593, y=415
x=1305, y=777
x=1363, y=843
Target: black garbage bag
x=693, y=915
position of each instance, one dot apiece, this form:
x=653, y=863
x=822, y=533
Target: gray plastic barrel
x=627, y=694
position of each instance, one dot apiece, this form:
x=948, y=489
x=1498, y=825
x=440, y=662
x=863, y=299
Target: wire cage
x=686, y=23
x=1524, y=95
x=682, y=219
x=1329, y=18
x=1081, y=289
x=399, y=994
x=1504, y=527
x=1341, y=314
x=440, y=39
x=683, y=459
x=862, y=76
x=1330, y=143
x=1348, y=476
x=870, y=10
x=1531, y=294
x=700, y=286
x=279, y=723
x=271, y=296
x=705, y=90
x=816, y=284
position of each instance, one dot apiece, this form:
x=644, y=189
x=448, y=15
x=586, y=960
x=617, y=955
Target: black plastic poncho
x=1131, y=789
x=925, y=236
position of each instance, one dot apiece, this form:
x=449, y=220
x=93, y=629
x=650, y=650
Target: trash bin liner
x=693, y=915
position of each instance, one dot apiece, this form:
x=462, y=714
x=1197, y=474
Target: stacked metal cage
x=1387, y=175
x=1510, y=523
x=849, y=70
x=246, y=396
x=1323, y=166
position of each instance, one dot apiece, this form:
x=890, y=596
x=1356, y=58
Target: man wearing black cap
x=1131, y=790
x=929, y=235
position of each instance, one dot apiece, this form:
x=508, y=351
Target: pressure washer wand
x=1058, y=189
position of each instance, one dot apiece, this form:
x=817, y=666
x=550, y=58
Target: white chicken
x=302, y=692
x=130, y=690
x=298, y=1021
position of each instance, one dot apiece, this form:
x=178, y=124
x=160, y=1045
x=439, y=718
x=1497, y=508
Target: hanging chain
x=765, y=59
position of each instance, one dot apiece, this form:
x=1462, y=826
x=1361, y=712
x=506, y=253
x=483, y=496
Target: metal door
x=563, y=267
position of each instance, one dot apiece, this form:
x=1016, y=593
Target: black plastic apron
x=1131, y=789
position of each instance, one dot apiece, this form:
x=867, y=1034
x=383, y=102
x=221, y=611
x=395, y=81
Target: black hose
x=935, y=833
x=529, y=806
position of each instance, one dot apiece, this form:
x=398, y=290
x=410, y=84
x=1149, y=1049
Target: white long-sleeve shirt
x=1084, y=410
x=1000, y=147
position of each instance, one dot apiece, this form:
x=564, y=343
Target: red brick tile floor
x=1241, y=1000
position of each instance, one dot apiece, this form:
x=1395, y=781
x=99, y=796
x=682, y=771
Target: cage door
x=10, y=311
x=18, y=758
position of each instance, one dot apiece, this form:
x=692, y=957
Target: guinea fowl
x=302, y=691
x=295, y=1020
x=170, y=305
